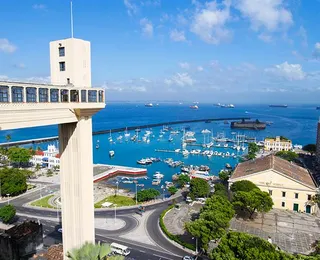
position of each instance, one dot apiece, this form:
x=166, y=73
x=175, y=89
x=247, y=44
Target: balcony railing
x=20, y=92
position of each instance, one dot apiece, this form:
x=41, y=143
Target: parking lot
x=291, y=231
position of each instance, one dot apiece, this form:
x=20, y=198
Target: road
x=164, y=250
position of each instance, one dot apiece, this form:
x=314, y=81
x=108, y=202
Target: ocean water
x=297, y=122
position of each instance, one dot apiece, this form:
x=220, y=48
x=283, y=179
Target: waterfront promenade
x=122, y=129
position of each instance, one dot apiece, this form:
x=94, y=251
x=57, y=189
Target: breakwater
x=116, y=130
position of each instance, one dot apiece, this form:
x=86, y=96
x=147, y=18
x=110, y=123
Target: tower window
x=61, y=52
x=62, y=66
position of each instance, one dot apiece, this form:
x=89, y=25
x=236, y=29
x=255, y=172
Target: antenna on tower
x=71, y=19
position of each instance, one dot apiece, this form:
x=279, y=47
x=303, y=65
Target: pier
x=122, y=129
x=165, y=151
x=105, y=171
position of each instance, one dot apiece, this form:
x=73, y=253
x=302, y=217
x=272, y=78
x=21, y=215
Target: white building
x=277, y=144
x=49, y=158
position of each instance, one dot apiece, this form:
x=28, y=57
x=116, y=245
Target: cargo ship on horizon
x=283, y=106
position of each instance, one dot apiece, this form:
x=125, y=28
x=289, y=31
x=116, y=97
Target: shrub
x=7, y=213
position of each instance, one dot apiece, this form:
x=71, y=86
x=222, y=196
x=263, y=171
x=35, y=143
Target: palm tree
x=90, y=251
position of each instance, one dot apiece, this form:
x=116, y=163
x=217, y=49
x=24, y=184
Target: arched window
x=4, y=94
x=17, y=94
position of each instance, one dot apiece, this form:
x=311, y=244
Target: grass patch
x=44, y=202
x=30, y=186
x=119, y=200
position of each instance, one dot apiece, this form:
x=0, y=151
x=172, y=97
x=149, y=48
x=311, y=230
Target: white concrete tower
x=70, y=62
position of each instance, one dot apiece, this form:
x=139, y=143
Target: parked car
x=188, y=258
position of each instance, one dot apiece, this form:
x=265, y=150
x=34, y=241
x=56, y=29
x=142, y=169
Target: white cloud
x=180, y=79
x=39, y=7
x=151, y=3
x=288, y=71
x=131, y=7
x=4, y=77
x=184, y=65
x=209, y=22
x=265, y=37
x=146, y=27
x=266, y=14
x=6, y=46
x=38, y=79
x=199, y=68
x=316, y=51
x=145, y=80
x=177, y=36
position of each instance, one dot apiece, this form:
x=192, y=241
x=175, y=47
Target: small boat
x=110, y=137
x=185, y=152
x=228, y=166
x=175, y=132
x=194, y=107
x=144, y=161
x=170, y=139
x=126, y=133
x=128, y=182
x=137, y=130
x=158, y=175
x=98, y=141
x=111, y=153
x=148, y=105
x=97, y=146
x=175, y=177
x=205, y=131
x=119, y=138
x=156, y=182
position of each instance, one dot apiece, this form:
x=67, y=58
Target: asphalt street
x=164, y=250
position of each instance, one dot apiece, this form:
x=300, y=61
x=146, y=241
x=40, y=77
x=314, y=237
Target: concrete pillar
x=76, y=178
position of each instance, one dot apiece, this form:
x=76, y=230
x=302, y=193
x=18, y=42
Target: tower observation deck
x=69, y=102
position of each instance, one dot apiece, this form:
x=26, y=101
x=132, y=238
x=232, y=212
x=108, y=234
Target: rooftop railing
x=22, y=92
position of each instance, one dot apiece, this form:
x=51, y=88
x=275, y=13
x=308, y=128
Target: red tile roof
x=38, y=152
x=289, y=169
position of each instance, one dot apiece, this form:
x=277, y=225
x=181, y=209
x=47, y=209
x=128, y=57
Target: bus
x=119, y=249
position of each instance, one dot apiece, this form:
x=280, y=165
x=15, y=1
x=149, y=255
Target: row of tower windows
x=17, y=95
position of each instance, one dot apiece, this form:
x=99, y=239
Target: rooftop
x=272, y=162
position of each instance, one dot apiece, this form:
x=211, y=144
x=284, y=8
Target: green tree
x=37, y=167
x=13, y=181
x=183, y=179
x=172, y=190
x=199, y=188
x=19, y=155
x=236, y=245
x=287, y=155
x=224, y=175
x=147, y=194
x=90, y=251
x=311, y=148
x=243, y=186
x=220, y=189
x=253, y=148
x=213, y=220
x=7, y=213
x=252, y=201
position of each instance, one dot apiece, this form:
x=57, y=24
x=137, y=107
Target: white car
x=188, y=258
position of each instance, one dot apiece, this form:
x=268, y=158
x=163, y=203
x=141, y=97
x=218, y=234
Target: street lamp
x=117, y=190
x=196, y=244
x=8, y=198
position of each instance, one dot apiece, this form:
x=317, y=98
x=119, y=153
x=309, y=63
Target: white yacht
x=185, y=152
x=111, y=153
x=148, y=105
x=127, y=135
x=158, y=175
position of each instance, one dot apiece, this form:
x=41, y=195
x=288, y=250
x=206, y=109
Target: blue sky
x=239, y=51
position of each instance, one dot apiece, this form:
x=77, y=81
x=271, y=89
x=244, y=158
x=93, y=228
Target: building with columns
x=68, y=102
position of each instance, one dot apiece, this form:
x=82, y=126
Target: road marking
x=142, y=251
x=162, y=257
